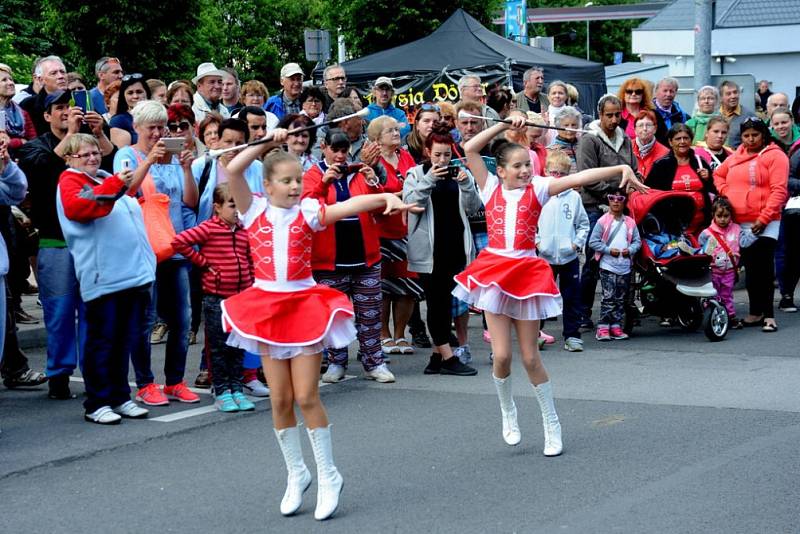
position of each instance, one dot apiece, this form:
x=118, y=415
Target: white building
x=758, y=37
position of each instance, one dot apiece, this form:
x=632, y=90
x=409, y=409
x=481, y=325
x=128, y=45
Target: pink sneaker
x=548, y=339
x=617, y=332
x=152, y=395
x=602, y=334
x=486, y=337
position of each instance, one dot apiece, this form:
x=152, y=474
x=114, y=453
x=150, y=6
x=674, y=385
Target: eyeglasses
x=430, y=107
x=638, y=92
x=86, y=155
x=616, y=198
x=177, y=126
x=134, y=76
x=337, y=79
x=645, y=125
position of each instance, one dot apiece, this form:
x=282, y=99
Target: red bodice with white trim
x=293, y=242
x=526, y=220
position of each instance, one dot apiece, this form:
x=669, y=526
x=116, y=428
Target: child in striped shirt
x=224, y=257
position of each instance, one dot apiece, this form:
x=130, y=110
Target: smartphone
x=174, y=145
x=82, y=100
x=453, y=170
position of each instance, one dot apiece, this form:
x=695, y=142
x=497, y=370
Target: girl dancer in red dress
x=286, y=316
x=507, y=280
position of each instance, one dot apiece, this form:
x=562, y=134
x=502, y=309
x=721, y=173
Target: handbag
x=792, y=206
x=155, y=211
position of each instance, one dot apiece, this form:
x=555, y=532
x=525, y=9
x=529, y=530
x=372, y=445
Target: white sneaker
x=380, y=374
x=573, y=344
x=130, y=410
x=335, y=373
x=104, y=415
x=256, y=388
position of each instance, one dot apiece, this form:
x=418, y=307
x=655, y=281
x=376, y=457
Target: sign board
x=318, y=45
x=517, y=21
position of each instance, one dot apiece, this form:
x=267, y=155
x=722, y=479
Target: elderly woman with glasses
x=754, y=178
x=311, y=102
x=646, y=147
x=253, y=93
x=132, y=90
x=105, y=234
x=157, y=170
x=706, y=107
x=19, y=126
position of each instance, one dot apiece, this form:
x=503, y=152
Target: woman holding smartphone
x=439, y=239
x=170, y=174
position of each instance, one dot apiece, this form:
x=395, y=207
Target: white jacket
x=563, y=228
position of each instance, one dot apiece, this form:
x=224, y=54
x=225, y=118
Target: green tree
x=22, y=36
x=374, y=25
x=250, y=36
x=605, y=37
x=158, y=39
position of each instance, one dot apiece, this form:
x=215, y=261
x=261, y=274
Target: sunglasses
x=638, y=92
x=177, y=126
x=616, y=198
x=429, y=107
x=134, y=76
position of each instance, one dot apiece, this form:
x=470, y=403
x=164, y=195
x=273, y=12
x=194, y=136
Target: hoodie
x=756, y=184
x=596, y=149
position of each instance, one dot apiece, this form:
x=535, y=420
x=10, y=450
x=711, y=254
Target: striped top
x=223, y=249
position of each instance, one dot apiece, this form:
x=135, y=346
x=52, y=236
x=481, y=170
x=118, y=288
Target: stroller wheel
x=715, y=321
x=690, y=314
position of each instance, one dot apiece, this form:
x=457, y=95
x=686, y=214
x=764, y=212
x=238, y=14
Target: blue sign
x=517, y=20
x=617, y=58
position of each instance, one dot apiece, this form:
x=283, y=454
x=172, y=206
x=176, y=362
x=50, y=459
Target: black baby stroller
x=673, y=282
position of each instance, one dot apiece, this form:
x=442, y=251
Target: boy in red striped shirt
x=224, y=257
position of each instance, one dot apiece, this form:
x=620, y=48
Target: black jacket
x=662, y=175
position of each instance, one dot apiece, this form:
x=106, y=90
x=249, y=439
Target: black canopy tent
x=428, y=69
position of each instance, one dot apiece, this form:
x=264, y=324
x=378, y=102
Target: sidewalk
x=32, y=336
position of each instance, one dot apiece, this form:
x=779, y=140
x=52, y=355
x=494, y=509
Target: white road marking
x=201, y=410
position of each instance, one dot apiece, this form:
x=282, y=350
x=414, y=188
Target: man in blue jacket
x=382, y=94
x=669, y=111
x=288, y=100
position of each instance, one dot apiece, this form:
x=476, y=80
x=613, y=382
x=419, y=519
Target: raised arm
x=473, y=147
x=362, y=203
x=599, y=174
x=240, y=191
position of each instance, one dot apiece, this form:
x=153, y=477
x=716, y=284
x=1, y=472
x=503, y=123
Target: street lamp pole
x=587, y=4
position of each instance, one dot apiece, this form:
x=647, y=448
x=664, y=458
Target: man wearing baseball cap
x=209, y=92
x=288, y=100
x=382, y=94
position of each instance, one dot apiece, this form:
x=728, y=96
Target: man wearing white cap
x=382, y=94
x=209, y=92
x=288, y=100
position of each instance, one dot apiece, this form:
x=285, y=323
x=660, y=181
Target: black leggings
x=438, y=287
x=759, y=264
x=791, y=253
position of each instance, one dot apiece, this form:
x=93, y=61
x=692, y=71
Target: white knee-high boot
x=508, y=410
x=329, y=481
x=552, y=428
x=299, y=477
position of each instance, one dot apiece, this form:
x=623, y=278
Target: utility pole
x=704, y=23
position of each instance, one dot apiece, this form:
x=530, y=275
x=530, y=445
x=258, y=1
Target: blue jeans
x=591, y=271
x=115, y=323
x=61, y=303
x=569, y=283
x=171, y=299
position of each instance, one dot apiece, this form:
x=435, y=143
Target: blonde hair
x=275, y=158
x=376, y=126
x=147, y=111
x=535, y=118
x=558, y=159
x=75, y=141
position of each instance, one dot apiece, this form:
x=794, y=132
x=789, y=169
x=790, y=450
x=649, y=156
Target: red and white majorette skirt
x=521, y=288
x=283, y=325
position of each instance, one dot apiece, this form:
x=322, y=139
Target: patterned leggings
x=363, y=286
x=612, y=305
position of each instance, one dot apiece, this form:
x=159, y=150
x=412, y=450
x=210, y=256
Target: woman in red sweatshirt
x=227, y=269
x=754, y=178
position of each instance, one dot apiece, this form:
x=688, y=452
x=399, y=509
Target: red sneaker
x=152, y=395
x=617, y=332
x=181, y=392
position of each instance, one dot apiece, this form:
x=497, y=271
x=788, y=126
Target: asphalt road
x=666, y=432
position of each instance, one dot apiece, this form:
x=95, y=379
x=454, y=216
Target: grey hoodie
x=595, y=150
x=417, y=188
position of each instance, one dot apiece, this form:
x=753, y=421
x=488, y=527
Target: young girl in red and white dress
x=507, y=281
x=286, y=316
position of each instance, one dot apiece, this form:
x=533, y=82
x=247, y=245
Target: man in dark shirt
x=52, y=75
x=42, y=162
